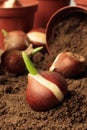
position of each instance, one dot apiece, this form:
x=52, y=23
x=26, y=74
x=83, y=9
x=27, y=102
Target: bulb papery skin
x=45, y=90
x=69, y=64
x=37, y=38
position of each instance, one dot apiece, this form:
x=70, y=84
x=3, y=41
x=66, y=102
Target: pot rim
x=31, y=4
x=20, y=11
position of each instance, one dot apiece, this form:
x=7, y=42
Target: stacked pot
x=45, y=9
x=17, y=18
x=81, y=3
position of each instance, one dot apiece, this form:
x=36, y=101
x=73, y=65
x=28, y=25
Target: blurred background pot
x=45, y=9
x=81, y=3
x=57, y=17
x=17, y=18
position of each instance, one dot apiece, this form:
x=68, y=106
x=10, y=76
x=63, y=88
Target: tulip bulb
x=69, y=64
x=15, y=40
x=45, y=90
x=38, y=38
x=12, y=61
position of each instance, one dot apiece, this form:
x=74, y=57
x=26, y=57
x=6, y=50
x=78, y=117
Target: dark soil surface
x=71, y=114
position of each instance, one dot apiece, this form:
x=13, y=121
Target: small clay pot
x=57, y=17
x=17, y=18
x=82, y=3
x=45, y=9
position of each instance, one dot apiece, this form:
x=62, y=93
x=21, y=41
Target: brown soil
x=71, y=114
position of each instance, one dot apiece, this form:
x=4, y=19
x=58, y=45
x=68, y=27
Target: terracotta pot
x=17, y=18
x=57, y=17
x=45, y=9
x=81, y=3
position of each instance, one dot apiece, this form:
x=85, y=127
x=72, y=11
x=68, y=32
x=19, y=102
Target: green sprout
x=29, y=65
x=4, y=32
